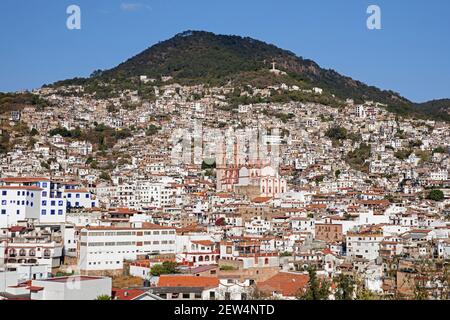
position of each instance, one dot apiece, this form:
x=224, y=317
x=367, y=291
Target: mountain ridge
x=200, y=57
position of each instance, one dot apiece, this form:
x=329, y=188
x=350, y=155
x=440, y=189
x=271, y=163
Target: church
x=261, y=176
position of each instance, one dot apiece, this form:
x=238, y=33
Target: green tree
x=104, y=176
x=439, y=150
x=337, y=133
x=403, y=154
x=364, y=294
x=152, y=130
x=357, y=158
x=167, y=267
x=316, y=289
x=34, y=132
x=345, y=287
x=436, y=195
x=337, y=173
x=103, y=297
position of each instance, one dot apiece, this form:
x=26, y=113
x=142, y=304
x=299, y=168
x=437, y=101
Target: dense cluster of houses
x=245, y=227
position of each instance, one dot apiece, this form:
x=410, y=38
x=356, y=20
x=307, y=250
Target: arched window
x=32, y=253
x=22, y=253
x=12, y=252
x=207, y=258
x=46, y=253
x=200, y=258
x=266, y=261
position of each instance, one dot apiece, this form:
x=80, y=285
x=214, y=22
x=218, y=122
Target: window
x=18, y=212
x=87, y=196
x=3, y=211
x=124, y=233
x=96, y=244
x=52, y=212
x=69, y=195
x=44, y=193
x=44, y=212
x=4, y=193
x=60, y=203
x=4, y=202
x=53, y=203
x=78, y=195
x=44, y=184
x=186, y=296
x=60, y=212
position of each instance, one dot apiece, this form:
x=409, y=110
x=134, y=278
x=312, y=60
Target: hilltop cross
x=273, y=65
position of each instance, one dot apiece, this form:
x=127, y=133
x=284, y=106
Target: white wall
x=72, y=289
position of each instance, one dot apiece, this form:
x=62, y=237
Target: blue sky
x=410, y=55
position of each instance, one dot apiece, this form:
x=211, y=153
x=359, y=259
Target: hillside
x=199, y=57
x=435, y=108
x=203, y=57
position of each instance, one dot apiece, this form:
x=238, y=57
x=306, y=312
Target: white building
x=18, y=252
x=71, y=288
x=105, y=248
x=19, y=203
x=364, y=245
x=439, y=175
x=80, y=198
x=39, y=194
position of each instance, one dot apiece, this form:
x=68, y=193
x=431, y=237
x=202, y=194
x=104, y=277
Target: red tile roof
x=206, y=243
x=126, y=294
x=23, y=179
x=32, y=188
x=187, y=281
x=145, y=226
x=76, y=191
x=261, y=199
x=287, y=284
